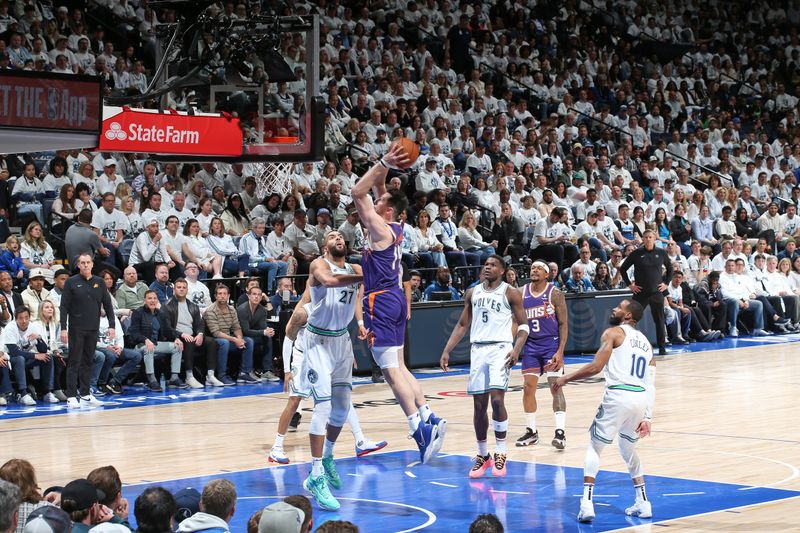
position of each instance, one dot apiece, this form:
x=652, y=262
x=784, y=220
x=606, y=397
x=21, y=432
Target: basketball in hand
x=410, y=148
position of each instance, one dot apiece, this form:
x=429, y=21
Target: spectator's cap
x=280, y=517
x=790, y=240
x=591, y=214
x=578, y=176
x=110, y=162
x=737, y=120
x=600, y=208
x=653, y=158
x=83, y=493
x=737, y=147
x=541, y=265
x=108, y=527
x=430, y=160
x=460, y=78
x=152, y=221
x=323, y=212
x=37, y=273
x=188, y=503
x=380, y=131
x=577, y=145
x=547, y=160
x=588, y=144
x=63, y=9
x=48, y=519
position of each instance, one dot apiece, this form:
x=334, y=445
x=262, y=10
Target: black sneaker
x=112, y=387
x=295, y=422
x=529, y=438
x=177, y=383
x=560, y=440
x=377, y=377
x=154, y=386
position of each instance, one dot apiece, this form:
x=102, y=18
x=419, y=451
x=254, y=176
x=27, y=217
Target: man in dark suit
x=9, y=299
x=253, y=320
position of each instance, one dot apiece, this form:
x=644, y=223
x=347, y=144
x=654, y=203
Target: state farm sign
x=135, y=130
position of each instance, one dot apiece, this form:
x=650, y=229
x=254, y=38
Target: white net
x=271, y=178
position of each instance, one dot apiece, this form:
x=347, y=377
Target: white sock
x=327, y=451
x=211, y=373
x=278, y=441
x=561, y=420
x=425, y=413
x=483, y=448
x=316, y=467
x=355, y=425
x=641, y=495
x=414, y=421
x=501, y=445
x=530, y=421
x=588, y=491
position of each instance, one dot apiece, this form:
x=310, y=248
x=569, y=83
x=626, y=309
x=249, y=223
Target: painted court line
x=410, y=474
x=443, y=484
x=683, y=493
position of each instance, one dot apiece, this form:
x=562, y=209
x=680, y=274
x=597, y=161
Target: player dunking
x=626, y=359
x=293, y=348
x=489, y=309
x=385, y=307
x=546, y=311
x=327, y=372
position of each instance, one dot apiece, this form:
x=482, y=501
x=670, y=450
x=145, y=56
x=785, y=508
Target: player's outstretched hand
x=511, y=359
x=643, y=429
x=559, y=383
x=444, y=362
x=396, y=158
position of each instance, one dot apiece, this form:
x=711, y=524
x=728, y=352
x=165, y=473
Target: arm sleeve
x=651, y=391
x=287, y=347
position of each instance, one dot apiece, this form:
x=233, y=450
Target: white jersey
x=491, y=315
x=627, y=366
x=333, y=308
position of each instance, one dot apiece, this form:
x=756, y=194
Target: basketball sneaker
x=318, y=487
x=294, y=422
x=277, y=455
x=365, y=447
x=440, y=423
x=482, y=464
x=529, y=438
x=640, y=508
x=499, y=468
x=330, y=473
x=586, y=512
x=560, y=440
x=425, y=437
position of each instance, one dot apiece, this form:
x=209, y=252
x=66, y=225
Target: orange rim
x=282, y=140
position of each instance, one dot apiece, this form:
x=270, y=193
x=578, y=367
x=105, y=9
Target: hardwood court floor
x=725, y=416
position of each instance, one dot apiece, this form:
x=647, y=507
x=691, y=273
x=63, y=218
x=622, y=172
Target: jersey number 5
x=638, y=366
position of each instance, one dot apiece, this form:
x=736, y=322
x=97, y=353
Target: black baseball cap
x=83, y=493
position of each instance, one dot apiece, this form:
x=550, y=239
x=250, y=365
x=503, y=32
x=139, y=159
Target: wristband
x=361, y=323
x=388, y=165
x=383, y=164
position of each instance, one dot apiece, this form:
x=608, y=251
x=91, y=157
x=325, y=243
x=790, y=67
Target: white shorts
x=487, y=367
x=619, y=413
x=327, y=363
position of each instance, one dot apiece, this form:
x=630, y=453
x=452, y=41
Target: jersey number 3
x=638, y=366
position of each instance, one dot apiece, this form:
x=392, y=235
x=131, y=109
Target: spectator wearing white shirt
x=735, y=290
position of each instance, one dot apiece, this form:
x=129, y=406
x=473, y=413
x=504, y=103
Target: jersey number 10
x=638, y=366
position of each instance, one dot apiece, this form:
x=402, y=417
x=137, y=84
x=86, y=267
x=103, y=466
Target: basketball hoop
x=271, y=178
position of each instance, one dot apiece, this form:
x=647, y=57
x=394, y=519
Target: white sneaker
x=27, y=400
x=60, y=395
x=217, y=276
x=3, y=401
x=90, y=401
x=50, y=398
x=586, y=513
x=269, y=376
x=193, y=383
x=214, y=382
x=73, y=403
x=640, y=508
x=277, y=455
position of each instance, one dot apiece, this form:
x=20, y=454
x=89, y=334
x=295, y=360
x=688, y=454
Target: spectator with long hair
x=234, y=263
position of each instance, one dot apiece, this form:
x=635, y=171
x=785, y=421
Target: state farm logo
x=153, y=134
x=115, y=132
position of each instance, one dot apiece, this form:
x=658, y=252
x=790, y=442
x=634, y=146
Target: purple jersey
x=543, y=335
x=382, y=270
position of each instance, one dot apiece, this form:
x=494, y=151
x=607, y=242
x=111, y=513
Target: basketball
x=410, y=148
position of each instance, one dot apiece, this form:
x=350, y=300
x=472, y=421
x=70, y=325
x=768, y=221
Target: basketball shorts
x=534, y=364
x=487, y=367
x=619, y=413
x=327, y=363
x=385, y=317
x=298, y=358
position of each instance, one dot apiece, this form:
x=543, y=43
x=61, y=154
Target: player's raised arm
x=515, y=300
x=458, y=332
x=376, y=177
x=612, y=338
x=320, y=274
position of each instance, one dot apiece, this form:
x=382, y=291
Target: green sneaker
x=318, y=487
x=330, y=473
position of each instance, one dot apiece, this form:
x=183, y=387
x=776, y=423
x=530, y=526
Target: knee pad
x=387, y=356
x=591, y=463
x=628, y=451
x=500, y=427
x=319, y=420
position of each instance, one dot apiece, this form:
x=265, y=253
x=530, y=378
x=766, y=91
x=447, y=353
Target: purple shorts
x=533, y=363
x=385, y=316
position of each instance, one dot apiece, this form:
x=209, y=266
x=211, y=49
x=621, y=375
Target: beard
x=337, y=252
x=614, y=320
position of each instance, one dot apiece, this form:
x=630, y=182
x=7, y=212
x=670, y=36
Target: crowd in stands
x=547, y=131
